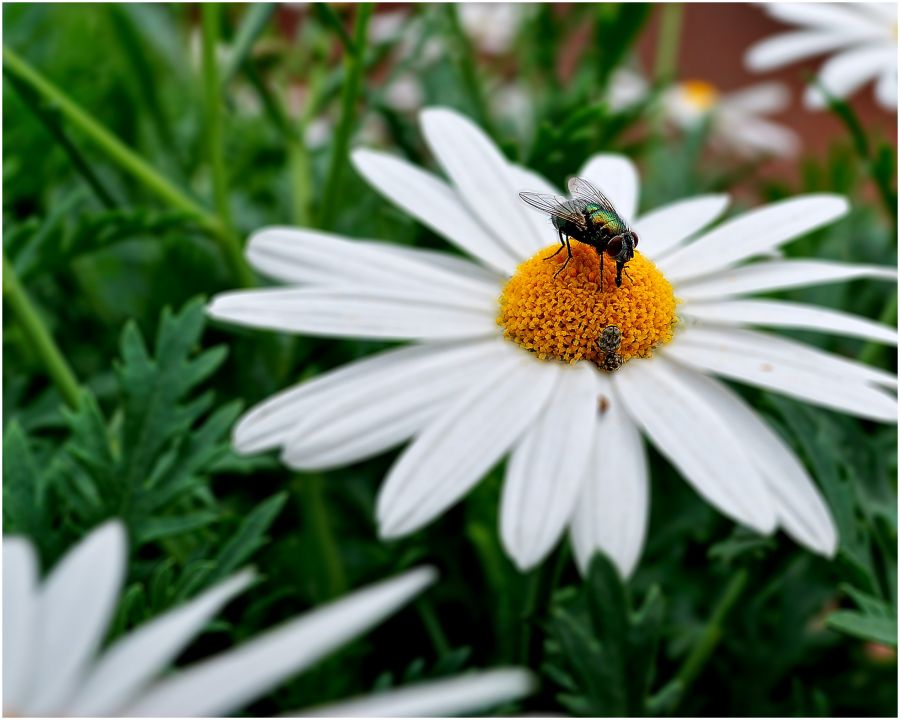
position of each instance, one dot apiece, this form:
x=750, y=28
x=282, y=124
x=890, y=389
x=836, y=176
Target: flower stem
x=39, y=336
x=315, y=511
x=354, y=63
x=131, y=162
x=465, y=56
x=666, y=65
x=712, y=633
x=433, y=626
x=212, y=105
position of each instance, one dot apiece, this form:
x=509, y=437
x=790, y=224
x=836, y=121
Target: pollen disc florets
x=564, y=317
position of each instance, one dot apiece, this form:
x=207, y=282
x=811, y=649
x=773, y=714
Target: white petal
x=668, y=226
x=371, y=314
x=456, y=696
x=800, y=508
x=134, y=661
x=444, y=260
x=547, y=468
x=613, y=508
x=844, y=74
x=269, y=424
x=20, y=608
x=752, y=234
x=454, y=452
x=617, y=177
x=483, y=177
x=435, y=204
x=544, y=231
x=778, y=313
x=753, y=136
x=77, y=601
x=318, y=258
x=828, y=16
x=231, y=680
x=886, y=89
x=688, y=430
x=774, y=363
x=777, y=275
x=784, y=49
x=351, y=421
x=761, y=99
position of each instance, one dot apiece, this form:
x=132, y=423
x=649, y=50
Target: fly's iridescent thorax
x=606, y=222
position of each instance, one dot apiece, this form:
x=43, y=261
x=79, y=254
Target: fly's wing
x=586, y=191
x=569, y=210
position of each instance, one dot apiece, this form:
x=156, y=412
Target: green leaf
x=22, y=496
x=865, y=627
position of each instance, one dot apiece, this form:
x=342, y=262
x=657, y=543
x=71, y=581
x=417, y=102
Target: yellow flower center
x=699, y=94
x=564, y=316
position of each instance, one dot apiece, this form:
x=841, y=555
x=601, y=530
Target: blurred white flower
x=492, y=26
x=626, y=88
x=737, y=118
x=52, y=631
x=404, y=93
x=467, y=392
x=862, y=38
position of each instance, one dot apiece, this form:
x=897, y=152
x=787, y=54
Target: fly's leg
x=562, y=244
x=625, y=270
x=569, y=250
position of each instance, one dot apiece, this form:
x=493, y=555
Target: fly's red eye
x=635, y=239
x=614, y=247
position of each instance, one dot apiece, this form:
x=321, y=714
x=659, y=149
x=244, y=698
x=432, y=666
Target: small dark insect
x=590, y=218
x=608, y=344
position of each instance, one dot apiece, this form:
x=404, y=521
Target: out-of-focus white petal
x=368, y=313
x=350, y=421
x=325, y=260
x=687, y=429
x=800, y=508
x=20, y=621
x=668, y=226
x=886, y=89
x=777, y=275
x=233, y=679
x=617, y=177
x=453, y=453
x=135, y=660
x=483, y=177
x=848, y=71
x=761, y=99
x=76, y=603
x=752, y=234
x=435, y=204
x=446, y=261
x=547, y=468
x=753, y=136
x=840, y=17
x=778, y=313
x=612, y=511
x=775, y=364
x=457, y=696
x=786, y=48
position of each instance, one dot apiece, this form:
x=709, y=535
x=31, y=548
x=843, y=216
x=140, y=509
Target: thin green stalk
x=39, y=336
x=49, y=120
x=433, y=627
x=315, y=511
x=130, y=162
x=252, y=25
x=712, y=633
x=666, y=66
x=465, y=55
x=212, y=106
x=354, y=64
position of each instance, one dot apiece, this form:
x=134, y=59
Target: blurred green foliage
x=106, y=261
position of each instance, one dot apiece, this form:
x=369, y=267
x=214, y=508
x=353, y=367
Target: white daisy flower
x=737, y=119
x=862, y=38
x=492, y=369
x=492, y=26
x=53, y=630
